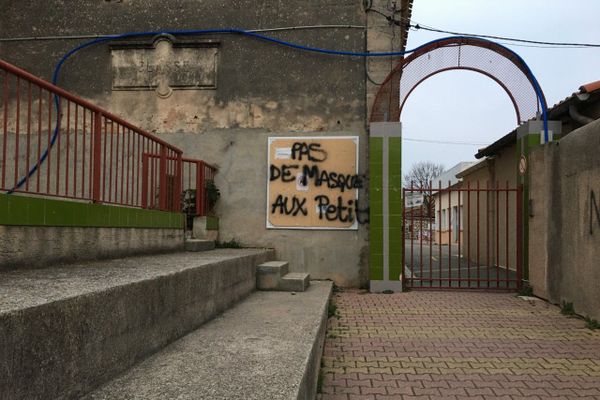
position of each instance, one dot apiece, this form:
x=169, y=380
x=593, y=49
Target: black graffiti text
x=593, y=209
x=289, y=206
x=312, y=151
x=284, y=172
x=362, y=214
x=332, y=180
x=338, y=211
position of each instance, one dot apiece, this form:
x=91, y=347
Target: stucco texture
x=568, y=172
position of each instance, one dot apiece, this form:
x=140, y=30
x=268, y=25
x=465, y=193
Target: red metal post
x=5, y=129
x=28, y=136
x=487, y=228
x=97, y=157
x=200, y=189
x=411, y=229
x=497, y=211
x=145, y=170
x=458, y=235
x=469, y=233
x=420, y=222
x=59, y=134
x=449, y=234
x=178, y=181
x=405, y=278
x=440, y=235
x=429, y=213
x=506, y=239
x=162, y=191
x=17, y=129
x=519, y=235
x=478, y=221
x=48, y=148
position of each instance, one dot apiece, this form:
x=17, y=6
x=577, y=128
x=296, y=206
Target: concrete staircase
x=140, y=328
x=275, y=275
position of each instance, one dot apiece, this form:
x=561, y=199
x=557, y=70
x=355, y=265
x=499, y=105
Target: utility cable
x=508, y=39
x=241, y=32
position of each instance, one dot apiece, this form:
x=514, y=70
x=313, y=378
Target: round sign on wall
x=522, y=165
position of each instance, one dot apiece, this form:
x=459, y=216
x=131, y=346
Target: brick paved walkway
x=454, y=345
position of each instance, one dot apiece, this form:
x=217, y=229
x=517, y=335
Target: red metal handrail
x=57, y=144
x=196, y=176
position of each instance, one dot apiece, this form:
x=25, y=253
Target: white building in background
x=447, y=211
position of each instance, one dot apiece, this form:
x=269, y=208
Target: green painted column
x=530, y=135
x=385, y=201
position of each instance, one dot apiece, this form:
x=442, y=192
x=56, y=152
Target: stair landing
x=267, y=347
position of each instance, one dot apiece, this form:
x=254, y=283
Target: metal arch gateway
x=491, y=59
x=387, y=216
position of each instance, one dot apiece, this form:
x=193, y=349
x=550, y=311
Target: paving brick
x=457, y=345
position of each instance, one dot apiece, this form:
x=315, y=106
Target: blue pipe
x=259, y=36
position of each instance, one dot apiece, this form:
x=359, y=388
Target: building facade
x=220, y=96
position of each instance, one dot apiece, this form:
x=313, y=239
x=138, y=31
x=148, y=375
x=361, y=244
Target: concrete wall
x=565, y=223
x=259, y=84
x=242, y=179
x=261, y=90
x=39, y=246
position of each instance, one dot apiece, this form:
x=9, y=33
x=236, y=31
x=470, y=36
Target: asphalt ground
x=429, y=265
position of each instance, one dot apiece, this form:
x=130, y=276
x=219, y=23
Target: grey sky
x=469, y=107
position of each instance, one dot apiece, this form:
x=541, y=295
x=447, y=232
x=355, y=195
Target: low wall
x=564, y=228
x=36, y=232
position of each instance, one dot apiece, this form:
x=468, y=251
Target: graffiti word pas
x=313, y=152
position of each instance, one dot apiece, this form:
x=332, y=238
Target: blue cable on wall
x=266, y=38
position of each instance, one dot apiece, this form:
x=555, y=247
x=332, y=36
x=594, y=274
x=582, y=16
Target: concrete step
x=269, y=274
x=267, y=347
x=295, y=282
x=67, y=329
x=199, y=245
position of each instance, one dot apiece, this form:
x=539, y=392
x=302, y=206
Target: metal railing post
x=200, y=189
x=162, y=178
x=178, y=182
x=97, y=160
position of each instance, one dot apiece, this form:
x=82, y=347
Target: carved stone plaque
x=164, y=65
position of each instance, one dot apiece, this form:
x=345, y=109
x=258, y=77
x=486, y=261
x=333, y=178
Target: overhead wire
x=241, y=32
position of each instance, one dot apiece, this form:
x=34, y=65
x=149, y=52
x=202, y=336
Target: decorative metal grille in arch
x=460, y=53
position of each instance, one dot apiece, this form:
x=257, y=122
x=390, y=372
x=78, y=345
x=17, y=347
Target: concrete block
x=68, y=329
x=199, y=245
x=269, y=274
x=205, y=228
x=295, y=282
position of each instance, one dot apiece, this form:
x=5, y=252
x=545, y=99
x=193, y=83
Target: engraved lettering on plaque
x=164, y=65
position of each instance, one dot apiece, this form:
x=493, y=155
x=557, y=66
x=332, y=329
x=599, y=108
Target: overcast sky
x=468, y=107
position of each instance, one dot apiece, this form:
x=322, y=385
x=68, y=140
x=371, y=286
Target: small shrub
x=526, y=291
x=567, y=308
x=332, y=310
x=591, y=323
x=320, y=382
x=213, y=194
x=232, y=244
